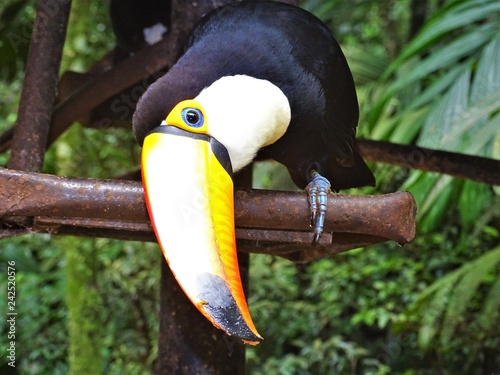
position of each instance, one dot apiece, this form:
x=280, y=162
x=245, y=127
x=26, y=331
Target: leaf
x=448, y=298
x=443, y=22
x=432, y=193
x=487, y=77
x=474, y=198
x=473, y=274
x=365, y=66
x=441, y=53
x=433, y=309
x=491, y=307
x=436, y=88
x=408, y=126
x=464, y=45
x=461, y=121
x=444, y=115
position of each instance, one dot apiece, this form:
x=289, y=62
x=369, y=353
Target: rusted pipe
x=119, y=205
x=474, y=168
x=38, y=194
x=383, y=215
x=136, y=73
x=40, y=82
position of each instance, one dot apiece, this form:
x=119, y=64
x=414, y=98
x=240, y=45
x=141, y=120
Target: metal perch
x=268, y=222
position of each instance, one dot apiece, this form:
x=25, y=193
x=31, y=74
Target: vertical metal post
x=40, y=83
x=188, y=343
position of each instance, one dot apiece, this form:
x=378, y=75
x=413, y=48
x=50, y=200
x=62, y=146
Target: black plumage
x=295, y=51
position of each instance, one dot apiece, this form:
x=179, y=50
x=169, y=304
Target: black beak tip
x=221, y=306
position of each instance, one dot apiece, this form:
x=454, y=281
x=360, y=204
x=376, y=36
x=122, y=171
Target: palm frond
x=443, y=92
x=456, y=14
x=442, y=305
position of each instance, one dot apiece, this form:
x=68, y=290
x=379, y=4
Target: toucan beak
x=189, y=194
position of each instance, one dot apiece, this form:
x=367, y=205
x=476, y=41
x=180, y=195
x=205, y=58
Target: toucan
x=256, y=80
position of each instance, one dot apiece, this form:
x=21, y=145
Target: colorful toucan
x=256, y=80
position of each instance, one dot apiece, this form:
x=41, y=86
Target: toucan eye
x=192, y=117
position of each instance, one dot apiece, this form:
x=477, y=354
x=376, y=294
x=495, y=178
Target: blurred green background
x=427, y=73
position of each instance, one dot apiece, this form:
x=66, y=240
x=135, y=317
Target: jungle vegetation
x=427, y=73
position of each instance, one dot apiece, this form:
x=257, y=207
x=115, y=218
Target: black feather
x=292, y=49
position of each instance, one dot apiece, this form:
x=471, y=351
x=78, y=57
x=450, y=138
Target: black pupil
x=192, y=117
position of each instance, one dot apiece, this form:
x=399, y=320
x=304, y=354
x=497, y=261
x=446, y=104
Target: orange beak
x=189, y=193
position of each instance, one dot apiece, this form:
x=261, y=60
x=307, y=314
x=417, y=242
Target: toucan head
x=187, y=165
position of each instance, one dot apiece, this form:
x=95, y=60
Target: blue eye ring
x=192, y=117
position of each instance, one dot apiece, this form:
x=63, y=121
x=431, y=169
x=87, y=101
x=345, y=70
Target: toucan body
x=256, y=80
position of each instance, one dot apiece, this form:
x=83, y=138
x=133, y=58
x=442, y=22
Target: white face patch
x=245, y=114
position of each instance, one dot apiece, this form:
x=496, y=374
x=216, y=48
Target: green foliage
x=112, y=152
x=367, y=311
x=365, y=24
x=323, y=308
x=442, y=306
x=41, y=337
x=84, y=307
x=430, y=307
x=16, y=24
x=122, y=304
x=128, y=284
x=88, y=37
x=442, y=92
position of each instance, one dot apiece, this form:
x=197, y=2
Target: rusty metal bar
x=136, y=72
x=121, y=203
x=413, y=157
x=139, y=71
x=291, y=245
x=32, y=194
x=40, y=82
x=301, y=253
x=390, y=216
x=278, y=220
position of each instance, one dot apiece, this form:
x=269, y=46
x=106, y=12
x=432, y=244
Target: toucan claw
x=317, y=192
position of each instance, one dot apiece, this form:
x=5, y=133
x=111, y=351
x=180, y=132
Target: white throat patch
x=244, y=114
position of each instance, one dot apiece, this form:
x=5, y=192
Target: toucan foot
x=317, y=192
